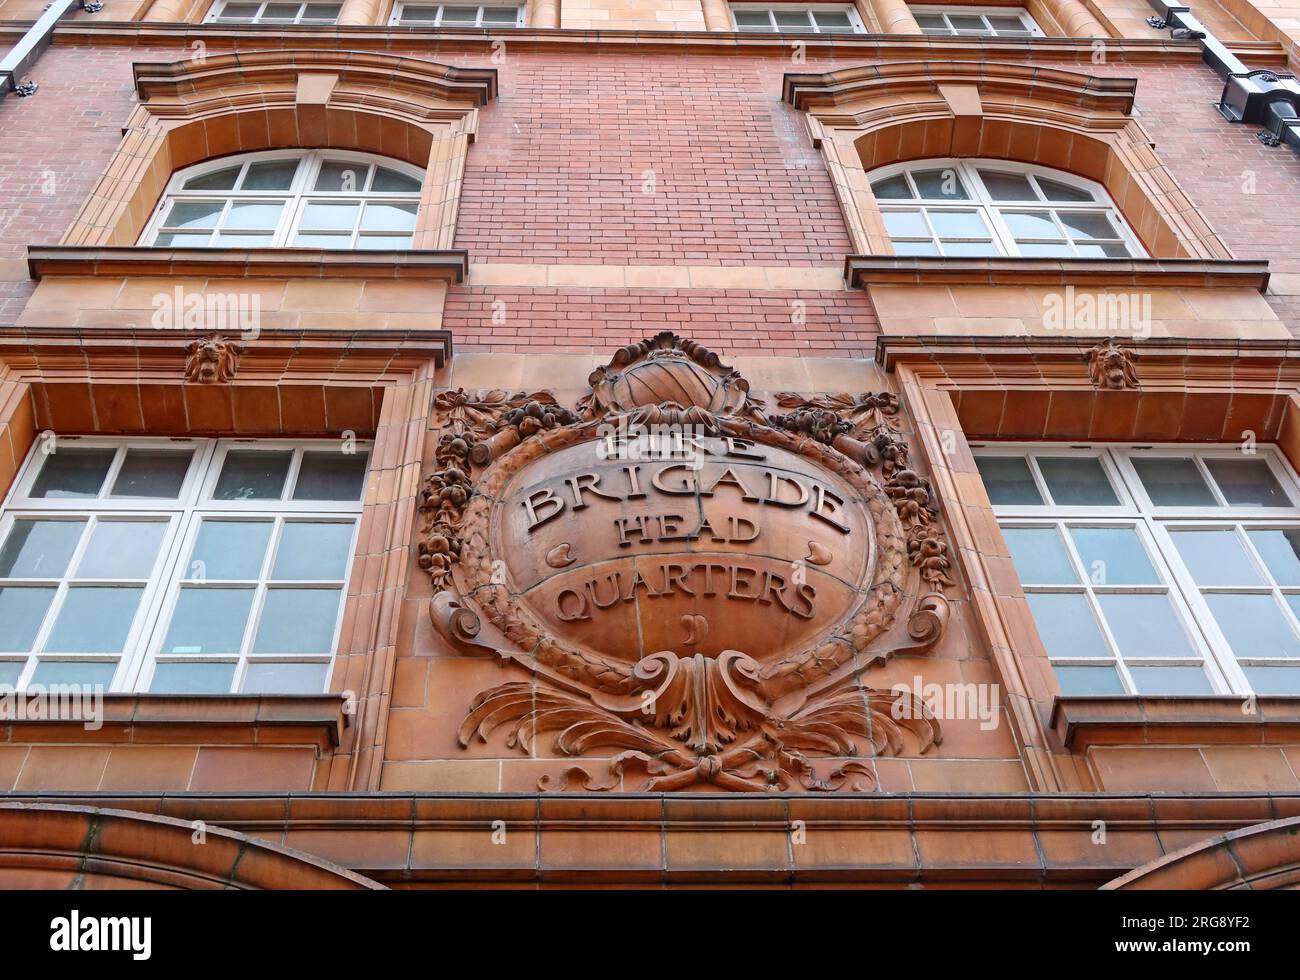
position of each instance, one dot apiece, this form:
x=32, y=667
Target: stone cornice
x=889, y=46
x=72, y=260
x=222, y=73
x=1086, y=721
x=401, y=838
x=188, y=719
x=875, y=270
x=918, y=351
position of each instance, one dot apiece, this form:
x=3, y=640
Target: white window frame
x=399, y=9
x=215, y=14
x=993, y=211
x=297, y=197
x=938, y=10
x=812, y=9
x=184, y=516
x=1224, y=666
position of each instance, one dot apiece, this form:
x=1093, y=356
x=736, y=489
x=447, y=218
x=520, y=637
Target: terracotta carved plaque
x=695, y=585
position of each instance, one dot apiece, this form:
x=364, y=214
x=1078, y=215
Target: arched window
x=314, y=199
x=996, y=207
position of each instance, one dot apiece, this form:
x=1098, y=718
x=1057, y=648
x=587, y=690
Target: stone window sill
x=1218, y=720
x=139, y=260
x=873, y=270
x=186, y=719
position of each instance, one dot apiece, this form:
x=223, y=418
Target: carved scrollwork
x=746, y=721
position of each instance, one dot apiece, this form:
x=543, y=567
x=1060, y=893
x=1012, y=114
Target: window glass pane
x=94, y=619
x=389, y=216
x=297, y=621
x=1040, y=556
x=793, y=21
x=280, y=11
x=939, y=185
x=243, y=241
x=229, y=550
x=10, y=671
x=959, y=224
x=21, y=613
x=1083, y=681
x=1007, y=25
x=1113, y=556
x=323, y=241
x=250, y=475
x=1253, y=624
x=1007, y=186
x=192, y=678
x=122, y=550
x=179, y=240
x=1145, y=625
x=271, y=678
x=318, y=216
x=1045, y=250
x=1067, y=625
x=85, y=674
x=1281, y=553
x=1054, y=190
x=208, y=621
x=1170, y=680
x=193, y=214
x=321, y=11
x=342, y=175
x=73, y=473
x=419, y=14
x=1087, y=224
x=1007, y=480
x=1273, y=680
x=905, y=224
x=966, y=22
x=1077, y=480
x=152, y=473
x=270, y=175
x=1174, y=483
x=498, y=15
x=254, y=215
x=384, y=241
x=1031, y=224
x=970, y=248
x=915, y=248
x=833, y=20
x=1247, y=482
x=388, y=181
x=753, y=20
x=313, y=552
x=1216, y=558
x=331, y=475
x=459, y=15
x=218, y=180
x=39, y=549
x=892, y=189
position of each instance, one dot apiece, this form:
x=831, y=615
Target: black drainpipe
x=1270, y=99
x=15, y=65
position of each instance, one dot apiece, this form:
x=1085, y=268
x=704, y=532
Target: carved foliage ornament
x=620, y=553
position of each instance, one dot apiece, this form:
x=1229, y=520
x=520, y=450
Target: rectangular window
x=178, y=566
x=1156, y=570
x=446, y=15
x=976, y=21
x=270, y=12
x=817, y=19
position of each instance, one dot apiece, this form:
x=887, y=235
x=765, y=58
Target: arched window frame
x=297, y=197
x=1001, y=236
